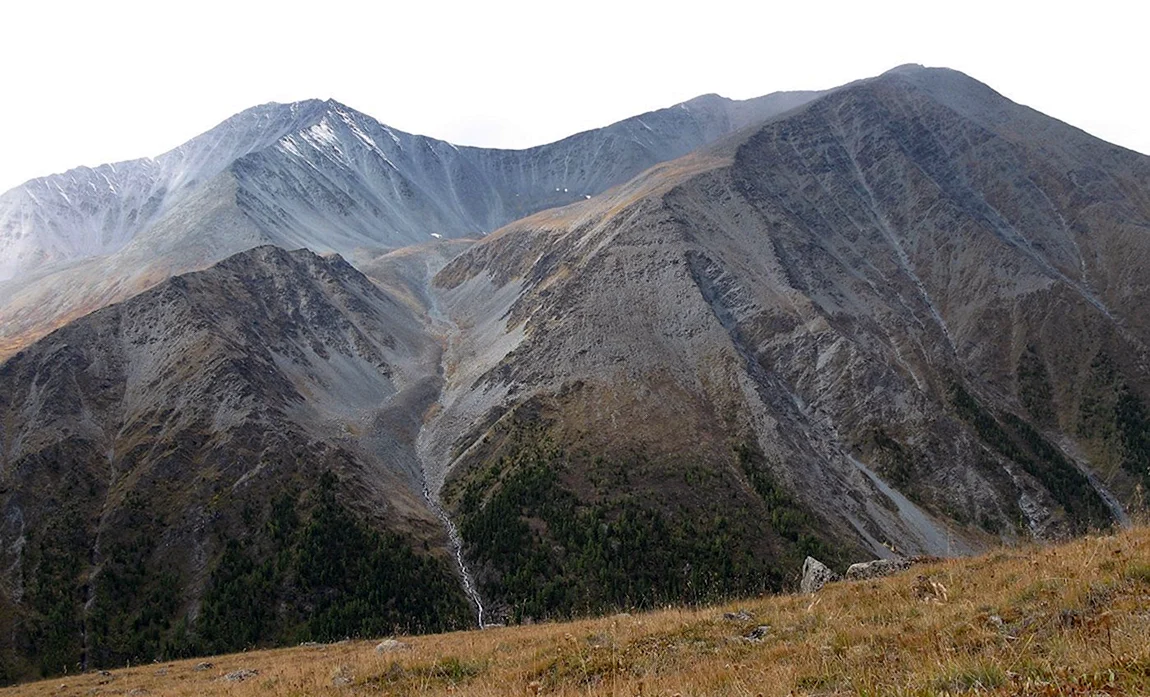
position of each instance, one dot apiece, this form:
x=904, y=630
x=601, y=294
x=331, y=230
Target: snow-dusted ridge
x=313, y=166
x=87, y=212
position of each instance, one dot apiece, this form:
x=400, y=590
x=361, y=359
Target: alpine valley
x=308, y=377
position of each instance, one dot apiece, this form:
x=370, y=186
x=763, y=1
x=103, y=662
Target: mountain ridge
x=331, y=184
x=167, y=172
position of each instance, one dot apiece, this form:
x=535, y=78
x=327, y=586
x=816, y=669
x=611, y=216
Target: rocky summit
x=660, y=362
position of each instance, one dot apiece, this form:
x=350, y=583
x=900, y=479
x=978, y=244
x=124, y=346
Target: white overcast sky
x=90, y=82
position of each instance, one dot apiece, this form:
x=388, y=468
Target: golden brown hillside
x=1072, y=619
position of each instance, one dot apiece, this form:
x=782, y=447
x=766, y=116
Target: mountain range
x=307, y=376
x=312, y=174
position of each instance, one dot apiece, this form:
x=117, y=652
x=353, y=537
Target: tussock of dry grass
x=1066, y=620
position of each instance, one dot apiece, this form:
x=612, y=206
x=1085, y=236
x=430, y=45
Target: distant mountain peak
x=906, y=68
x=708, y=97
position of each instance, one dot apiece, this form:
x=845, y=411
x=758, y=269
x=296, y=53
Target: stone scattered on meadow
x=816, y=575
x=388, y=645
x=876, y=569
x=241, y=674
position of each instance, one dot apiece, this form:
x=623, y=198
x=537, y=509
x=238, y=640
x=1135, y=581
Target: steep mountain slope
x=313, y=174
x=225, y=459
x=89, y=212
x=912, y=305
x=349, y=183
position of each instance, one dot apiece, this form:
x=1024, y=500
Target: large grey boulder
x=876, y=569
x=816, y=575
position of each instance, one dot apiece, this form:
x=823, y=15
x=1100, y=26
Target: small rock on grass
x=241, y=675
x=342, y=677
x=388, y=645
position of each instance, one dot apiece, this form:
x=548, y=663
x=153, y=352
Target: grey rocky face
x=89, y=212
x=876, y=569
x=815, y=576
x=879, y=297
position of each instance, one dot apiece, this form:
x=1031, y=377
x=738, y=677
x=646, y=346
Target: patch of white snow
x=286, y=143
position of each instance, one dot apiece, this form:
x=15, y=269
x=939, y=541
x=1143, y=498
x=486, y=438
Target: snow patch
x=288, y=145
x=357, y=131
x=323, y=133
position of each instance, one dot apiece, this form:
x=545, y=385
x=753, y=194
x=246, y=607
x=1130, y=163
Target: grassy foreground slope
x=1072, y=619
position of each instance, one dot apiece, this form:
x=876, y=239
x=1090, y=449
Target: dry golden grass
x=1066, y=620
x=657, y=180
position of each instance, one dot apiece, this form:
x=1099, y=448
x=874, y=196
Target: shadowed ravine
x=445, y=329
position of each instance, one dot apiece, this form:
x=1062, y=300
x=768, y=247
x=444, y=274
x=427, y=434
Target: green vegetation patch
x=325, y=578
x=1021, y=443
x=541, y=550
x=54, y=593
x=1034, y=389
x=1113, y=415
x=1134, y=434
x=788, y=517
x=893, y=461
x=133, y=602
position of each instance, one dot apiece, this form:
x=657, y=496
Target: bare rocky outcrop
x=876, y=569
x=392, y=645
x=241, y=675
x=815, y=576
